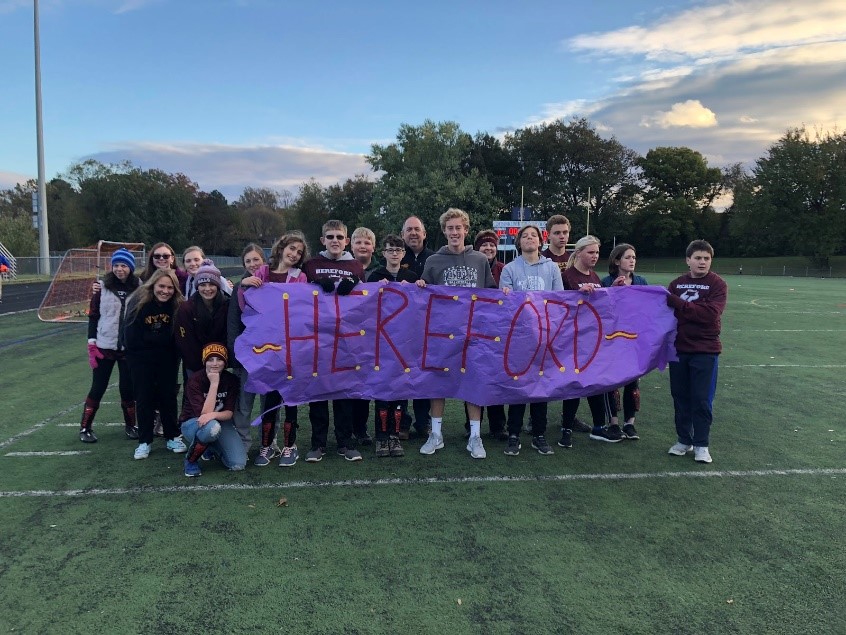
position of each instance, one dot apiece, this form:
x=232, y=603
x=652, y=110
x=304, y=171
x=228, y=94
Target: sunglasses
x=161, y=256
x=335, y=237
x=393, y=250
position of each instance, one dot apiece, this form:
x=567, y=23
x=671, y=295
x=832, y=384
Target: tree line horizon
x=791, y=202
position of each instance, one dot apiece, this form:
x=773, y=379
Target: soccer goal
x=69, y=295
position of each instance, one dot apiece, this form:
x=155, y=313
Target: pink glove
x=93, y=355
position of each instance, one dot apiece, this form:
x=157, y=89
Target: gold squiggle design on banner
x=266, y=347
x=626, y=334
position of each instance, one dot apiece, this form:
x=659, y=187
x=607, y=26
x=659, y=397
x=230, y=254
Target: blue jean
x=226, y=443
x=693, y=382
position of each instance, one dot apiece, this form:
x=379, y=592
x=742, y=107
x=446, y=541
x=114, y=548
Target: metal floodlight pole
x=43, y=234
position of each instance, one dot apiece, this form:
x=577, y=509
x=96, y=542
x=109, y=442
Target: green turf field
x=600, y=538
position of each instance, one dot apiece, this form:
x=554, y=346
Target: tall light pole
x=43, y=234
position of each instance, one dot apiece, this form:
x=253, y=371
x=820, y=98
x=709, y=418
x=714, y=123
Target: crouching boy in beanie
x=207, y=415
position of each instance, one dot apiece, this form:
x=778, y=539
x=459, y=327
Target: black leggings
x=103, y=373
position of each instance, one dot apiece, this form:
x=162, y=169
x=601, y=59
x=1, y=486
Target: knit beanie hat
x=485, y=236
x=124, y=257
x=214, y=349
x=208, y=273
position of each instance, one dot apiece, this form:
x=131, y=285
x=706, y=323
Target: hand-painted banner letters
x=399, y=341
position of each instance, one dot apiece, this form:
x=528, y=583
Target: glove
x=346, y=285
x=326, y=284
x=94, y=354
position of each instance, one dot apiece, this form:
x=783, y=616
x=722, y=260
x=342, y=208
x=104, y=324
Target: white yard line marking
x=97, y=424
x=789, y=330
x=56, y=453
x=240, y=487
x=782, y=366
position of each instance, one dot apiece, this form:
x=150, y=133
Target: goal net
x=69, y=295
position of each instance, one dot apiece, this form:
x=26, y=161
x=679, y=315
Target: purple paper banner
x=399, y=341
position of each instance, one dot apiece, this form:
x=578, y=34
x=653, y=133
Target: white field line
x=782, y=366
x=789, y=330
x=17, y=312
x=241, y=487
x=56, y=453
x=97, y=424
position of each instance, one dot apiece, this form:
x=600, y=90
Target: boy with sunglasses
x=333, y=265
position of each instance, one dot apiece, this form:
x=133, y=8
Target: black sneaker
x=611, y=434
x=629, y=432
x=539, y=443
x=86, y=435
x=131, y=432
x=566, y=440
x=513, y=447
x=382, y=448
x=350, y=454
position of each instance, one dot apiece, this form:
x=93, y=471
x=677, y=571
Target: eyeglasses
x=334, y=237
x=393, y=250
x=161, y=256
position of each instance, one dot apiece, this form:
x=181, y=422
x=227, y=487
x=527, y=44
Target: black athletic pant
x=318, y=414
x=537, y=415
x=155, y=386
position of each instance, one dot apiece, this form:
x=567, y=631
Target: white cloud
x=725, y=29
x=690, y=114
x=763, y=66
x=230, y=168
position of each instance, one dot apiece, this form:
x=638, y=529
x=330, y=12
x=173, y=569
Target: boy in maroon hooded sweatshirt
x=698, y=298
x=332, y=265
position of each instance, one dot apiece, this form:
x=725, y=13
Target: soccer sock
x=88, y=413
x=475, y=428
x=196, y=451
x=397, y=420
x=128, y=408
x=268, y=432
x=436, y=425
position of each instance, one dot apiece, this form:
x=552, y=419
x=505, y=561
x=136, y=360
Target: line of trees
x=791, y=202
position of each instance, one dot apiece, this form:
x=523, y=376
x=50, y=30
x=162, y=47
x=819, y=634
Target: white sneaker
x=475, y=448
x=142, y=451
x=702, y=455
x=679, y=449
x=434, y=442
x=177, y=445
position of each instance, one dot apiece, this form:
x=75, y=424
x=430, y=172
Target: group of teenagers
x=150, y=322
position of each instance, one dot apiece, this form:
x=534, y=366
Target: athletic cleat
x=513, y=447
x=629, y=432
x=382, y=448
x=315, y=455
x=192, y=468
x=86, y=435
x=289, y=456
x=566, y=440
x=539, y=443
x=434, y=442
x=131, y=432
x=476, y=448
x=611, y=434
x=177, y=445
x=142, y=451
x=679, y=449
x=395, y=447
x=702, y=455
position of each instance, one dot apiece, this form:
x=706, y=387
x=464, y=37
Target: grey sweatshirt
x=543, y=275
x=466, y=269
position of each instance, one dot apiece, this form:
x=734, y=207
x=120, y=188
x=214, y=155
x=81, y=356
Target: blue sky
x=268, y=93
